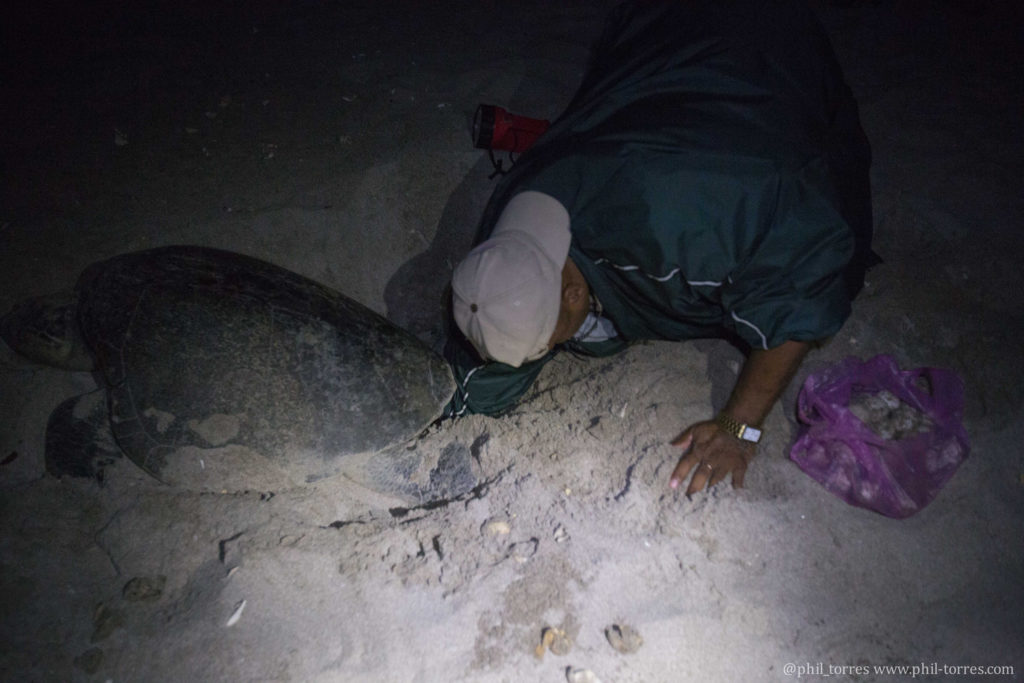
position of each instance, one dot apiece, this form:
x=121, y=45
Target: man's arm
x=712, y=450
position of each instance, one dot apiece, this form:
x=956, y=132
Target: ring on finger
x=708, y=465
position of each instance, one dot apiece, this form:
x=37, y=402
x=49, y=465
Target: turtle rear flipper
x=79, y=442
x=45, y=329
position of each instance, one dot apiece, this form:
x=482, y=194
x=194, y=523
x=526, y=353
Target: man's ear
x=573, y=293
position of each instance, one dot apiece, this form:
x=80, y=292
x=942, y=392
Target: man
x=709, y=179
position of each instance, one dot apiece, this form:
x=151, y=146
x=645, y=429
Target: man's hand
x=712, y=450
x=714, y=453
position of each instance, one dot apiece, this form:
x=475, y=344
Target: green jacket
x=716, y=177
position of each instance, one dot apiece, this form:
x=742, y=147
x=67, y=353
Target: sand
x=332, y=139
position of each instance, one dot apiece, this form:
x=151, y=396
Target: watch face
x=751, y=434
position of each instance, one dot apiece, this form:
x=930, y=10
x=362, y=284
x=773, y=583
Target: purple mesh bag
x=893, y=476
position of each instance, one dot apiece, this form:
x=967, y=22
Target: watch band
x=738, y=429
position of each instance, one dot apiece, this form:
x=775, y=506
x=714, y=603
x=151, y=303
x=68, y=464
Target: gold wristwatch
x=738, y=429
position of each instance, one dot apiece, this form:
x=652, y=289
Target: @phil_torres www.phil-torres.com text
x=823, y=670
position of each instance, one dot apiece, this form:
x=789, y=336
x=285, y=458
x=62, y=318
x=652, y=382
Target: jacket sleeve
x=485, y=387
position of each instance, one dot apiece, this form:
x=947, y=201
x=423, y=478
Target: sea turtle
x=220, y=371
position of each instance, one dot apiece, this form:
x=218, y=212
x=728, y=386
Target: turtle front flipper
x=45, y=329
x=79, y=442
x=415, y=475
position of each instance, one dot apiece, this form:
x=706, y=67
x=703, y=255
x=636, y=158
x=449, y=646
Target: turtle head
x=45, y=329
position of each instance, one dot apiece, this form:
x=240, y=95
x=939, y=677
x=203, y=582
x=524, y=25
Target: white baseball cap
x=507, y=291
